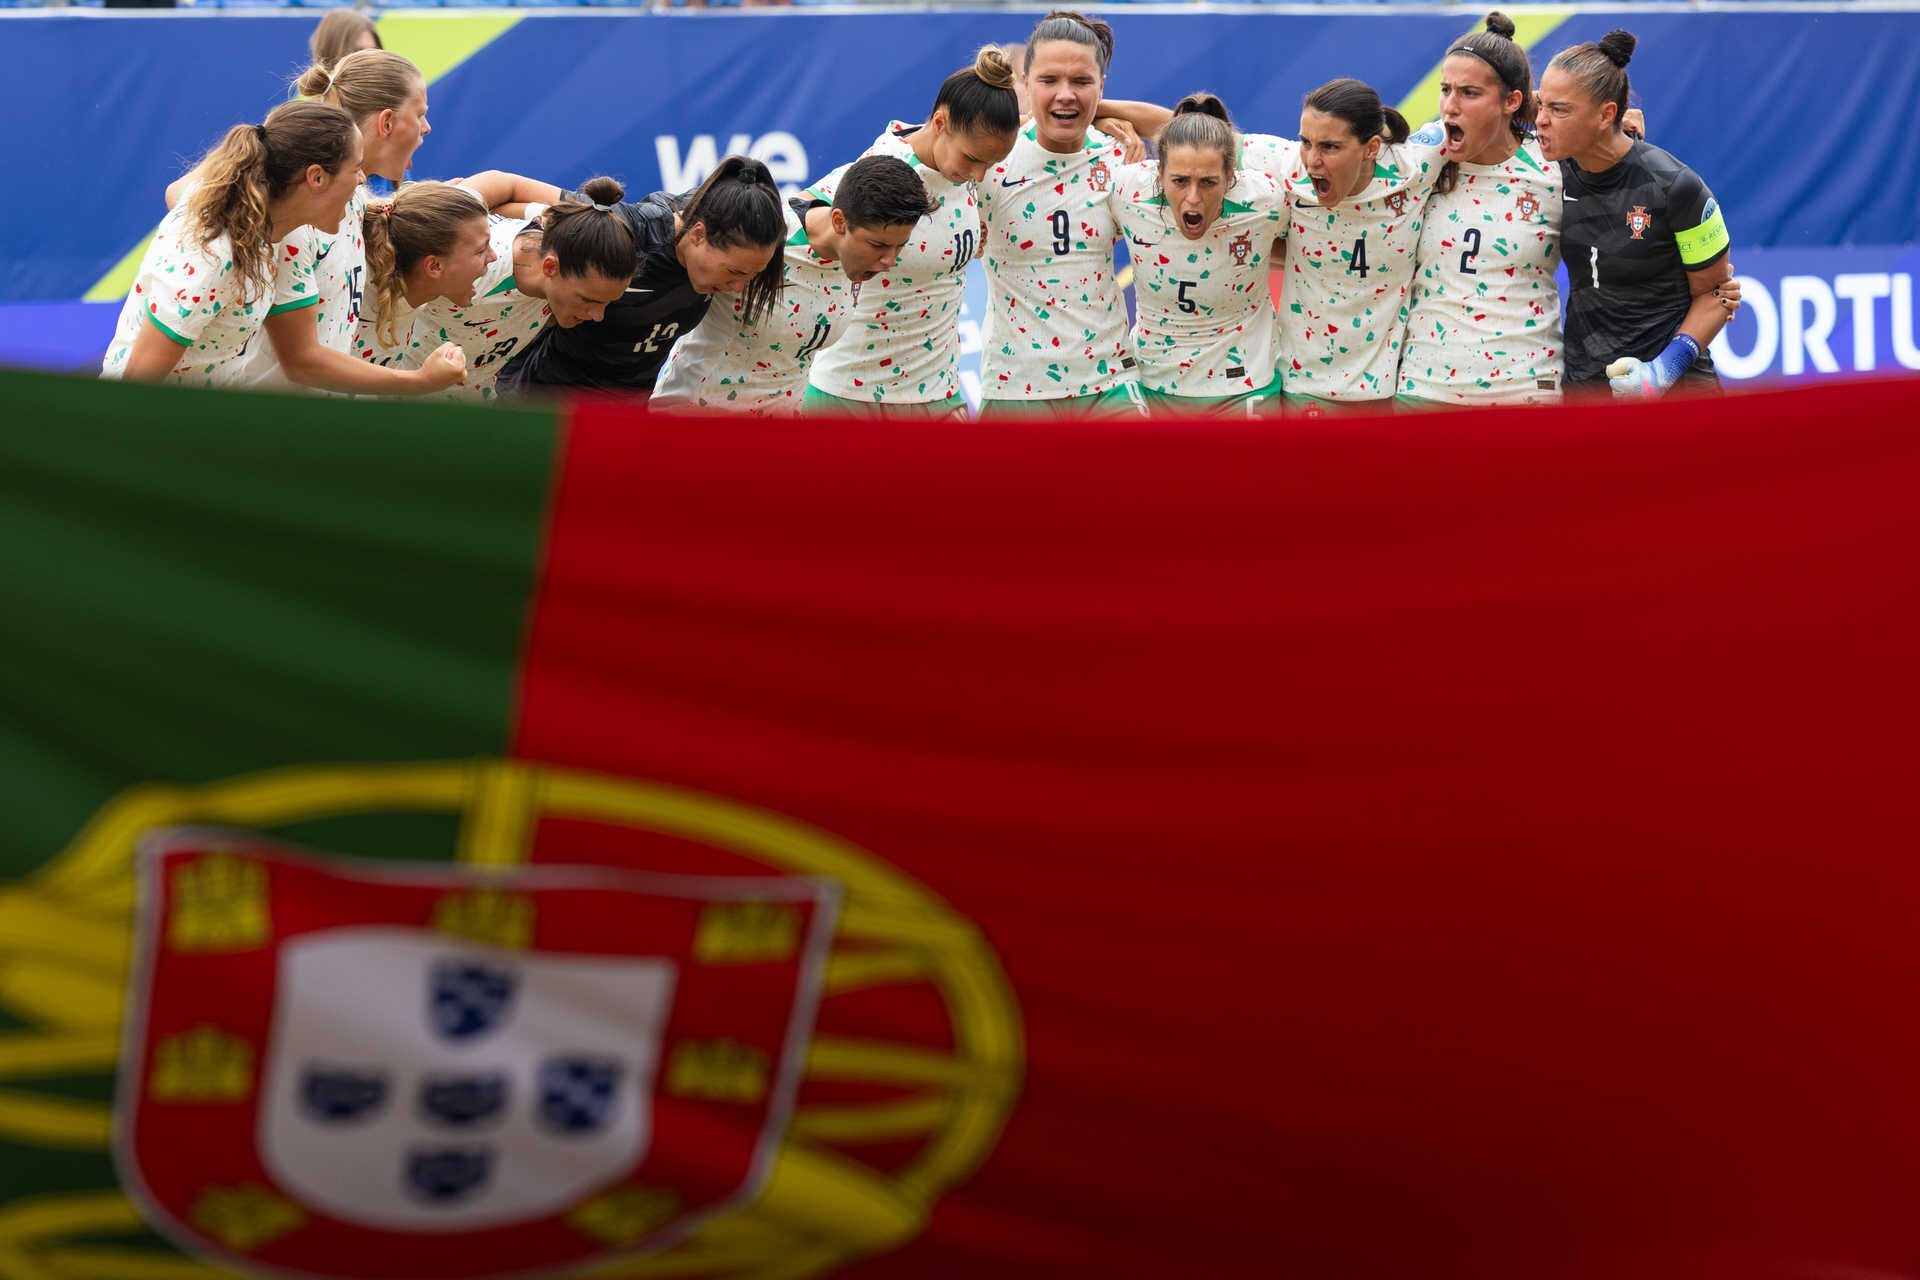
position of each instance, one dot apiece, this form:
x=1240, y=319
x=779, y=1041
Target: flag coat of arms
x=416, y=1072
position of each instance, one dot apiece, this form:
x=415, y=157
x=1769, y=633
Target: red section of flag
x=1464, y=846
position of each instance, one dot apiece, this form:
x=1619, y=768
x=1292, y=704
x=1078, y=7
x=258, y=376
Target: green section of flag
x=1530, y=29
x=204, y=584
x=434, y=43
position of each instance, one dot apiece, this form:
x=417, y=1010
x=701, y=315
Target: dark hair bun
x=753, y=171
x=1205, y=104
x=1618, y=46
x=603, y=191
x=1500, y=24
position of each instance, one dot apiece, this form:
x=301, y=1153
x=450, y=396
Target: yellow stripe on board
x=115, y=285
x=1529, y=29
x=437, y=44
x=434, y=43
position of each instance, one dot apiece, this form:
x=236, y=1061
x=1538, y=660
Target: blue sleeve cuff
x=1676, y=359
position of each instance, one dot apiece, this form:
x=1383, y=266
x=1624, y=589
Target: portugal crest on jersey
x=417, y=1070
x=1638, y=221
x=1528, y=206
x=1397, y=201
x=1099, y=175
x=1241, y=247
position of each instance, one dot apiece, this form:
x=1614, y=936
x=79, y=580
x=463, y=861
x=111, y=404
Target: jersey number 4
x=1358, y=260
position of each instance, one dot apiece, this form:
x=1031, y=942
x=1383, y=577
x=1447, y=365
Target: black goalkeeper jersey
x=626, y=349
x=1628, y=236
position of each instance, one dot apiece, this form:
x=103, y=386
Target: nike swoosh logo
x=1571, y=199
x=1144, y=244
x=320, y=255
x=1011, y=182
x=643, y=292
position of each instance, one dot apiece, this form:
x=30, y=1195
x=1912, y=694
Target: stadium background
x=1798, y=116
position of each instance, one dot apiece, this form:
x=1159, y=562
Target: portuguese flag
x=450, y=842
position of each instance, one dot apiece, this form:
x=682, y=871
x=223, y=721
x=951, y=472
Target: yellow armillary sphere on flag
x=313, y=1065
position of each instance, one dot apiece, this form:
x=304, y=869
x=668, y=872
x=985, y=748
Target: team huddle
x=1417, y=269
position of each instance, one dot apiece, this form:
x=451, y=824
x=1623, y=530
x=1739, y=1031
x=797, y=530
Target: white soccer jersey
x=401, y=352
x=1485, y=321
x=1203, y=323
x=761, y=368
x=902, y=344
x=1350, y=266
x=339, y=273
x=490, y=329
x=1056, y=323
x=190, y=292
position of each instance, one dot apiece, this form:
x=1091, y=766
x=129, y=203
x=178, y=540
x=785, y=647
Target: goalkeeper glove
x=1643, y=379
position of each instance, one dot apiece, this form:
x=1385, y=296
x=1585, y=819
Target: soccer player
x=901, y=353
x=320, y=279
x=567, y=262
x=428, y=243
x=1484, y=327
x=1055, y=334
x=341, y=32
x=1359, y=189
x=833, y=247
x=1200, y=230
x=205, y=281
x=1645, y=243
x=724, y=237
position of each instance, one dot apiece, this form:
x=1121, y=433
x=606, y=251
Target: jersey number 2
x=1472, y=240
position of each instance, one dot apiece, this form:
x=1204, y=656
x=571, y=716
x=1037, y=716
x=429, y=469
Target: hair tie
x=603, y=208
x=260, y=132
x=1475, y=53
x=386, y=210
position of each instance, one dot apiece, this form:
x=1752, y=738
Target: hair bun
x=1205, y=104
x=1618, y=46
x=1500, y=24
x=993, y=67
x=603, y=191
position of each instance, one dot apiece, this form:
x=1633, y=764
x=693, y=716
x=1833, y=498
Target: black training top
x=625, y=350
x=1629, y=235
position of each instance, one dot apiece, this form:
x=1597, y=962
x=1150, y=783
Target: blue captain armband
x=1643, y=379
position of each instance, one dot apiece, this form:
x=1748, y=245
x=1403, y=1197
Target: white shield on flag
x=420, y=1082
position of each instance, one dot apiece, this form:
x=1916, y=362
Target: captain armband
x=1703, y=243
